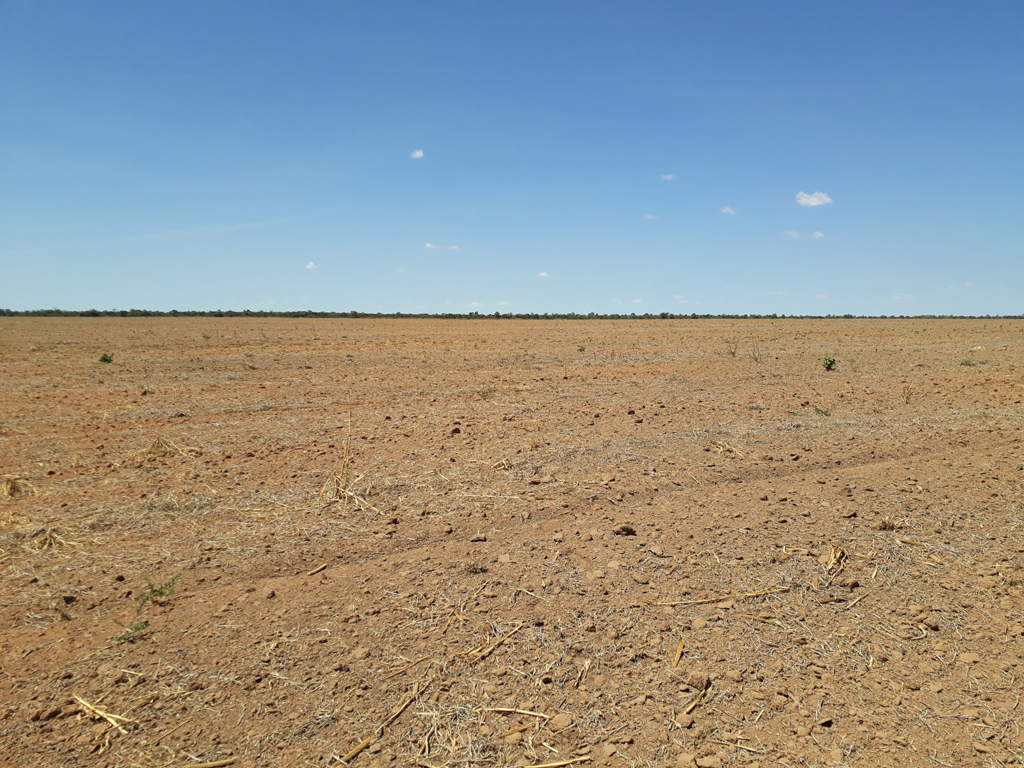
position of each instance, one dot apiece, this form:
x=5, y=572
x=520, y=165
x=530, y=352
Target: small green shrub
x=580, y=348
x=828, y=362
x=131, y=633
x=155, y=593
x=105, y=358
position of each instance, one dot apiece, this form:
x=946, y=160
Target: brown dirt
x=411, y=535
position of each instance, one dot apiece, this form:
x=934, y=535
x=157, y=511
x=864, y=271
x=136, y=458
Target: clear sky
x=716, y=157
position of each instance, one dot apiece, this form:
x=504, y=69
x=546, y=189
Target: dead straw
x=11, y=486
x=723, y=598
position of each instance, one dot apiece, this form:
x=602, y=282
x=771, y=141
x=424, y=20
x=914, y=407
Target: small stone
x=560, y=721
x=699, y=623
x=803, y=730
x=640, y=578
x=657, y=551
x=969, y=658
x=734, y=676
x=504, y=559
x=478, y=537
x=606, y=750
x=360, y=653
x=698, y=680
x=685, y=721
x=269, y=594
x=593, y=575
x=686, y=760
x=624, y=530
x=711, y=761
x=836, y=755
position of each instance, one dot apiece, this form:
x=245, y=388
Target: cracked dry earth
x=500, y=543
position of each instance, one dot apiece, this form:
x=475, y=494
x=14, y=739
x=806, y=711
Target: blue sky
x=557, y=156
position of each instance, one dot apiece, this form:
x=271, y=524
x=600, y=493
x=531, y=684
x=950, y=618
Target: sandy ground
x=262, y=542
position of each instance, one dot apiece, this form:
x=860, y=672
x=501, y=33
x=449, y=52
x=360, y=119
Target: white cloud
x=817, y=235
x=680, y=299
x=728, y=210
x=400, y=271
x=441, y=247
x=638, y=301
x=542, y=274
x=902, y=296
x=667, y=176
x=809, y=201
x=777, y=294
x=504, y=304
x=416, y=154
x=649, y=217
x=476, y=304
x=821, y=296
x=791, y=233
x=311, y=265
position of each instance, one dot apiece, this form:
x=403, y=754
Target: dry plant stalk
x=339, y=486
x=379, y=730
x=47, y=540
x=164, y=447
x=560, y=763
x=836, y=559
x=723, y=598
x=12, y=485
x=95, y=712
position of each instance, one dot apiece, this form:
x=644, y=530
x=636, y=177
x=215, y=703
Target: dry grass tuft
x=46, y=540
x=164, y=447
x=11, y=486
x=890, y=524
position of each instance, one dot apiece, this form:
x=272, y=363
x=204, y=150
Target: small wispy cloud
x=902, y=296
x=680, y=298
x=791, y=233
x=729, y=210
x=433, y=247
x=416, y=154
x=476, y=304
x=667, y=176
x=543, y=274
x=817, y=235
x=504, y=304
x=311, y=265
x=821, y=296
x=809, y=201
x=638, y=301
x=400, y=271
x=649, y=217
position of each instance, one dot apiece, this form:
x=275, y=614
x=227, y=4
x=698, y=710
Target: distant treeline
x=466, y=316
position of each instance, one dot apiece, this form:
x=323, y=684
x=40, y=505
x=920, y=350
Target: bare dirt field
x=260, y=542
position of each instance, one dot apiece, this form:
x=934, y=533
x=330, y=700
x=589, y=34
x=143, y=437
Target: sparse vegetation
x=732, y=346
x=11, y=485
x=155, y=594
x=105, y=358
x=823, y=411
x=828, y=362
x=908, y=392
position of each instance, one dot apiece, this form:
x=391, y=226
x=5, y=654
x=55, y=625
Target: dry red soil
x=261, y=542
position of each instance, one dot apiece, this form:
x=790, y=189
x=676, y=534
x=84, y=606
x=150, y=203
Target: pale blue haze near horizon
x=513, y=156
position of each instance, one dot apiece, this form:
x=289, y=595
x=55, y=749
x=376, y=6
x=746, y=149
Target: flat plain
x=490, y=542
